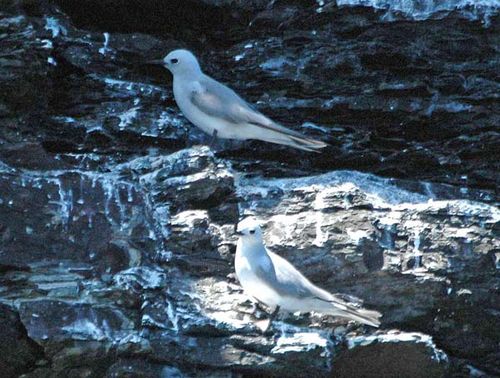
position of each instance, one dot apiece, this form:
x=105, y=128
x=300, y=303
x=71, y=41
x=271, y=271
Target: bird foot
x=265, y=325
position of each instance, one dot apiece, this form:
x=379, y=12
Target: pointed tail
x=337, y=307
x=302, y=143
x=275, y=133
x=362, y=315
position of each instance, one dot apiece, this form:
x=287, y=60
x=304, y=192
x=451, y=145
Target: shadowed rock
x=117, y=238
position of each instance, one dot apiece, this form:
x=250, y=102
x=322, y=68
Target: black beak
x=155, y=62
x=238, y=232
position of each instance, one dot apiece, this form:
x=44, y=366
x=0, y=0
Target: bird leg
x=213, y=140
x=274, y=313
x=266, y=324
x=256, y=306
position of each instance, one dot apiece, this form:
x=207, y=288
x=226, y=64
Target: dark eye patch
x=252, y=231
x=174, y=61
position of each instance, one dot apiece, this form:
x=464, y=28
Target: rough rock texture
x=19, y=353
x=117, y=228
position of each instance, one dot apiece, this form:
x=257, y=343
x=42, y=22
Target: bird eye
x=174, y=61
x=252, y=231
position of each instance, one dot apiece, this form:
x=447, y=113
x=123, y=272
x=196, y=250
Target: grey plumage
x=217, y=109
x=274, y=281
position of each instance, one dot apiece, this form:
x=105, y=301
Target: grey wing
x=288, y=276
x=284, y=278
x=217, y=100
x=290, y=282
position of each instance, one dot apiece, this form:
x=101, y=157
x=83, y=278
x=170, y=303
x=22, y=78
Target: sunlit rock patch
x=117, y=238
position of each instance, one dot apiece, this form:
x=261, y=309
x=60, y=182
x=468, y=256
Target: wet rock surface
x=117, y=225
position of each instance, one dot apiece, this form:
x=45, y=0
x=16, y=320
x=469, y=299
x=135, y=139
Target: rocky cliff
x=117, y=223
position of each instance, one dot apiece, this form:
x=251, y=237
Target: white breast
x=253, y=285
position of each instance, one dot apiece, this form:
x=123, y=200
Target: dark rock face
x=388, y=360
x=19, y=353
x=117, y=227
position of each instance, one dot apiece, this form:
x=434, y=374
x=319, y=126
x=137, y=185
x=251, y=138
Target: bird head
x=249, y=229
x=181, y=62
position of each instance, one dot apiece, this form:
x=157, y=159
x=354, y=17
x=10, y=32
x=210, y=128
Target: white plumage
x=273, y=281
x=214, y=107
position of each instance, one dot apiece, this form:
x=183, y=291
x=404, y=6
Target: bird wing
x=286, y=280
x=282, y=276
x=287, y=275
x=295, y=284
x=217, y=100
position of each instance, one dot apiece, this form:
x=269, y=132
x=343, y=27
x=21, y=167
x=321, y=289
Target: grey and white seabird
x=220, y=112
x=272, y=280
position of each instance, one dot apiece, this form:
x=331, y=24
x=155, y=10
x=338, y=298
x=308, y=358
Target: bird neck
x=251, y=247
x=191, y=74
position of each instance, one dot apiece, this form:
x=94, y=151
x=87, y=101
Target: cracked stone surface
x=117, y=222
